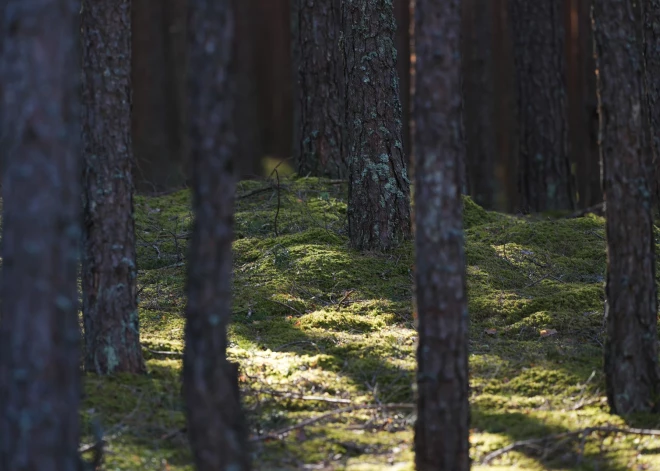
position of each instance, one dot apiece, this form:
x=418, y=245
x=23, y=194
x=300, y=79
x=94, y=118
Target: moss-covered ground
x=318, y=327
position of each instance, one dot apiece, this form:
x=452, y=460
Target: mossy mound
x=318, y=327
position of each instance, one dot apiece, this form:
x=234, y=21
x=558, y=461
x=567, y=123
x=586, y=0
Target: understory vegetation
x=326, y=337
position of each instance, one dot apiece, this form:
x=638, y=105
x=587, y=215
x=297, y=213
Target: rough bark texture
x=479, y=97
x=39, y=339
x=216, y=429
x=319, y=101
x=378, y=199
x=158, y=78
x=442, y=428
x=112, y=340
x=540, y=63
x=631, y=350
x=652, y=56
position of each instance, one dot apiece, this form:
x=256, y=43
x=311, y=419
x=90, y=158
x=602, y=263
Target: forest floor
x=326, y=338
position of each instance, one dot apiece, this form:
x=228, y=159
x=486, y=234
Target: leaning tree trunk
x=378, y=197
x=540, y=62
x=319, y=104
x=210, y=382
x=442, y=427
x=39, y=339
x=631, y=348
x=652, y=56
x=110, y=315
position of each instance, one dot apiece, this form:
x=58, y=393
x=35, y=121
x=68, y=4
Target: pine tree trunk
x=539, y=54
x=478, y=90
x=40, y=153
x=631, y=350
x=378, y=199
x=112, y=340
x=442, y=428
x=319, y=101
x=652, y=56
x=210, y=382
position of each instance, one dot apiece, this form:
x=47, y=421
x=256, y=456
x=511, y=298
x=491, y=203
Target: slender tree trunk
x=478, y=90
x=215, y=421
x=40, y=153
x=319, y=101
x=442, y=428
x=652, y=56
x=631, y=348
x=538, y=44
x=112, y=340
x=378, y=199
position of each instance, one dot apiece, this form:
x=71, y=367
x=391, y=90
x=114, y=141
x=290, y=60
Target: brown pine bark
x=631, y=347
x=443, y=415
x=652, y=57
x=378, y=199
x=319, y=102
x=216, y=428
x=479, y=102
x=110, y=315
x=540, y=64
x=40, y=153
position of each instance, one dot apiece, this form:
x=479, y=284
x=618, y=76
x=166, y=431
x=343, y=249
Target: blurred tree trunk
x=652, y=56
x=379, y=189
x=40, y=153
x=110, y=314
x=443, y=415
x=631, y=348
x=479, y=96
x=216, y=429
x=540, y=64
x=319, y=102
x=158, y=69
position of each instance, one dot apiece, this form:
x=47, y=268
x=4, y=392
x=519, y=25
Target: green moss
x=314, y=318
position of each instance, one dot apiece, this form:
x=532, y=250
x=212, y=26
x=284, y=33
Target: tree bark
x=631, y=350
x=540, y=63
x=319, y=101
x=443, y=415
x=479, y=93
x=216, y=428
x=112, y=340
x=40, y=152
x=652, y=56
x=378, y=199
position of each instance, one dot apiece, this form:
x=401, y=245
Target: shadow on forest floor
x=318, y=327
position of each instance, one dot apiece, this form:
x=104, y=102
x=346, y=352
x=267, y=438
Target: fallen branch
x=163, y=352
x=597, y=209
x=301, y=397
x=276, y=435
x=583, y=433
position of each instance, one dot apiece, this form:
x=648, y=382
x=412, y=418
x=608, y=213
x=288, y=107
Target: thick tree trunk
x=544, y=166
x=479, y=93
x=378, y=199
x=631, y=348
x=319, y=102
x=158, y=91
x=40, y=152
x=652, y=56
x=112, y=340
x=215, y=421
x=442, y=428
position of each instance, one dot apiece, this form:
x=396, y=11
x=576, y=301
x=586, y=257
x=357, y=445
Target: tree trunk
x=544, y=166
x=110, y=312
x=319, y=101
x=478, y=92
x=442, y=428
x=652, y=56
x=378, y=198
x=216, y=429
x=158, y=84
x=40, y=153
x=631, y=350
